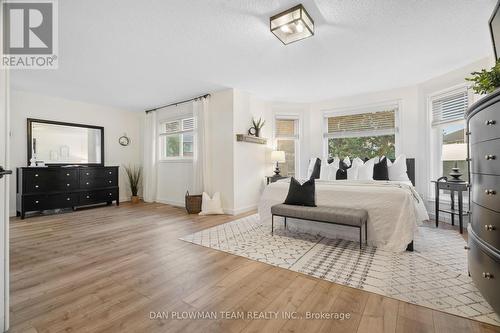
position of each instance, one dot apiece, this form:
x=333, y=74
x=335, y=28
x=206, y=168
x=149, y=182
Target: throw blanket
x=394, y=210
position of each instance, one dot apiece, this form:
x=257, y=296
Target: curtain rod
x=177, y=103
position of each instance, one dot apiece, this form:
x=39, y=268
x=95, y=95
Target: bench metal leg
x=285, y=222
x=366, y=233
x=360, y=237
x=272, y=225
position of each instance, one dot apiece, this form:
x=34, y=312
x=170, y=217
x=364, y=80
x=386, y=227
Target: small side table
x=459, y=187
x=274, y=178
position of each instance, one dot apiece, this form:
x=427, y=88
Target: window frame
x=369, y=108
x=163, y=134
x=296, y=138
x=435, y=138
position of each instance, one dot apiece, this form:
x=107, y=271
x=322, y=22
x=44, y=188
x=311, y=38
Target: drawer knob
x=110, y=173
x=490, y=122
x=87, y=183
x=466, y=248
x=87, y=173
x=489, y=157
x=487, y=275
x=36, y=186
x=489, y=227
x=110, y=194
x=68, y=199
x=37, y=201
x=36, y=175
x=67, y=185
x=110, y=181
x=88, y=196
x=490, y=192
x=67, y=174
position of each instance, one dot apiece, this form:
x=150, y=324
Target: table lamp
x=454, y=152
x=278, y=156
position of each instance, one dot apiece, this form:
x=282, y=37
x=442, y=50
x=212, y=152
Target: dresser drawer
x=486, y=224
x=36, y=202
x=484, y=268
x=65, y=200
x=486, y=191
x=108, y=195
x=486, y=157
x=485, y=125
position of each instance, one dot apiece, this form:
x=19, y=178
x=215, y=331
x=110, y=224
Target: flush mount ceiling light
x=292, y=25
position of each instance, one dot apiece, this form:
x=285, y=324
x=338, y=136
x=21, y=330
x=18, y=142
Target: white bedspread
x=394, y=210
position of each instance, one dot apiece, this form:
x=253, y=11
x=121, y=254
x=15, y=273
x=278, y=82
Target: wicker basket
x=193, y=203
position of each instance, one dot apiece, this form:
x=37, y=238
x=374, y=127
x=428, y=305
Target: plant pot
x=135, y=199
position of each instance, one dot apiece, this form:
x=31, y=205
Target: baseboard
x=171, y=202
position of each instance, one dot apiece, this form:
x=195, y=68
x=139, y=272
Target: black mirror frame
x=29, y=123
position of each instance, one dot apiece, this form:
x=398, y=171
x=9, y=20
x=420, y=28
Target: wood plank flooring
x=106, y=269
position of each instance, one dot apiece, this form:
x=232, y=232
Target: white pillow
x=357, y=161
x=310, y=168
x=336, y=162
x=397, y=170
x=329, y=172
x=211, y=206
x=389, y=162
x=352, y=172
x=347, y=161
x=365, y=171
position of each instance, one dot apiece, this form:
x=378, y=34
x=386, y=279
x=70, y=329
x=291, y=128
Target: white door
x=4, y=195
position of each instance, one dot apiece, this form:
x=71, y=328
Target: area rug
x=434, y=275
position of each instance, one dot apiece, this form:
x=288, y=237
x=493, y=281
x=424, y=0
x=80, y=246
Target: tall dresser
x=483, y=129
x=41, y=189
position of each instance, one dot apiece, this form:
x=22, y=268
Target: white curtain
x=150, y=163
x=201, y=162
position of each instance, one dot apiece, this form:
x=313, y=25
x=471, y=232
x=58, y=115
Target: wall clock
x=124, y=140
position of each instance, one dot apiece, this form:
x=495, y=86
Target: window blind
x=373, y=123
x=451, y=107
x=285, y=128
x=178, y=126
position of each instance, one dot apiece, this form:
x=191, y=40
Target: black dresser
x=483, y=129
x=41, y=189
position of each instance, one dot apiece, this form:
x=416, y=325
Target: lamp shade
x=278, y=156
x=454, y=152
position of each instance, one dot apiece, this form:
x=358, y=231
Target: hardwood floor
x=106, y=269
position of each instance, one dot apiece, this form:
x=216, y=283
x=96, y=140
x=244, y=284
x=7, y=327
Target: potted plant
x=134, y=178
x=485, y=82
x=257, y=126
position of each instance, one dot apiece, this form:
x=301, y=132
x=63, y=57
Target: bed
x=394, y=208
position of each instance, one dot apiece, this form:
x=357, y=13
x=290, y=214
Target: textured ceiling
x=137, y=54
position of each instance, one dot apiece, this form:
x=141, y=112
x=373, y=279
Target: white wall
x=115, y=122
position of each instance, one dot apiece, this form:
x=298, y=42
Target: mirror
x=57, y=143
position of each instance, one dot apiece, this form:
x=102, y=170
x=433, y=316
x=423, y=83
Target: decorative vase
x=135, y=199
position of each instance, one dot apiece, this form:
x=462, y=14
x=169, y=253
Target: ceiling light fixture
x=292, y=25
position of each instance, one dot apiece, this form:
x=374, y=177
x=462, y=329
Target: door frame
x=4, y=227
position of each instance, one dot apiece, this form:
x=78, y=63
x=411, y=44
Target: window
x=176, y=139
x=287, y=139
x=361, y=134
x=448, y=127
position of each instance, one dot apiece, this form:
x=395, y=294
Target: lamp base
x=455, y=176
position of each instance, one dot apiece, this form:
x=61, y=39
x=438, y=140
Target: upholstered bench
x=351, y=217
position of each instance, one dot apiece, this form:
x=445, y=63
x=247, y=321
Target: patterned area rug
x=434, y=275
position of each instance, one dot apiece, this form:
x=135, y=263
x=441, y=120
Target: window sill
x=177, y=160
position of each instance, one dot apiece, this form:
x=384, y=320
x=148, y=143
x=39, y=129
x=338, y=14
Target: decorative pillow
x=347, y=162
x=211, y=206
x=316, y=170
x=397, y=170
x=357, y=161
x=352, y=172
x=327, y=169
x=341, y=174
x=365, y=171
x=380, y=170
x=301, y=195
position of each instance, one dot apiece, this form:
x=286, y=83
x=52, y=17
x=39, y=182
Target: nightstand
x=274, y=178
x=459, y=187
